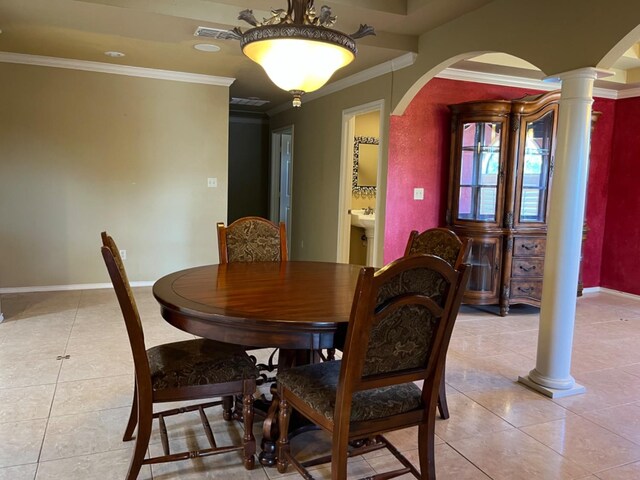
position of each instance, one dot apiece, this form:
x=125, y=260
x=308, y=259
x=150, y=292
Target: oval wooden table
x=295, y=306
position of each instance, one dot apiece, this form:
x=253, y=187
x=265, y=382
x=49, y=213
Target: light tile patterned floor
x=64, y=418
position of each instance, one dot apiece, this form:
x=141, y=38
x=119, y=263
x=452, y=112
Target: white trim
x=509, y=81
x=588, y=290
x=631, y=93
x=398, y=63
x=610, y=291
x=114, y=69
x=619, y=293
x=344, y=191
x=77, y=286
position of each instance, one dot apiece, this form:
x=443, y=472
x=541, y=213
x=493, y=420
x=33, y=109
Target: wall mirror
x=365, y=166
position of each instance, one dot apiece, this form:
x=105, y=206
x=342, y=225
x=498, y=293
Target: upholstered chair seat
x=199, y=362
x=316, y=385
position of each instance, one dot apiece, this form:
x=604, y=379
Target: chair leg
x=426, y=448
x=145, y=419
x=133, y=416
x=339, y=451
x=283, y=440
x=248, y=440
x=227, y=407
x=443, y=408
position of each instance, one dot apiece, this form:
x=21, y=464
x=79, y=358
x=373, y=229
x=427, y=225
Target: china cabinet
x=502, y=160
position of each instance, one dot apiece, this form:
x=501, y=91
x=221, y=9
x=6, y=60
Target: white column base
x=576, y=389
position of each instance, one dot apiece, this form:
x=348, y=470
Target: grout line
x=55, y=388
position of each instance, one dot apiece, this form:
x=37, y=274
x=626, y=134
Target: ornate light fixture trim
x=296, y=47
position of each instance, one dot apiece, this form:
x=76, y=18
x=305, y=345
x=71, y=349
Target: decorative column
x=552, y=375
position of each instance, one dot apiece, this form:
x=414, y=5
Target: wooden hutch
x=502, y=160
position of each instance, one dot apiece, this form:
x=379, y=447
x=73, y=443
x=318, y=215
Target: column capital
x=591, y=73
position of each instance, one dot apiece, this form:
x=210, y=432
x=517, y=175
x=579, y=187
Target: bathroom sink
x=360, y=219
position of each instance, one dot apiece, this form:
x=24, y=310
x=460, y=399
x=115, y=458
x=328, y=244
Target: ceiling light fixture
x=296, y=47
x=114, y=54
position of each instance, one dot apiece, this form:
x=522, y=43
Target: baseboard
x=619, y=293
x=591, y=290
x=59, y=288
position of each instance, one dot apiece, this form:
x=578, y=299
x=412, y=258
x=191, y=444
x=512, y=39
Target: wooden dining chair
x=252, y=239
x=180, y=371
x=399, y=330
x=445, y=244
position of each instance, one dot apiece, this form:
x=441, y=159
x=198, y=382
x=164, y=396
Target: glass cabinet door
x=484, y=257
x=534, y=173
x=479, y=171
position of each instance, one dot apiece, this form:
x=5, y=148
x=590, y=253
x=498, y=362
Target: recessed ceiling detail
x=207, y=47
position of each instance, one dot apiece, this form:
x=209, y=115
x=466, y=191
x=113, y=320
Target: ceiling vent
x=209, y=32
x=251, y=101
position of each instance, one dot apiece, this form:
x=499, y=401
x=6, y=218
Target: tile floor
x=63, y=418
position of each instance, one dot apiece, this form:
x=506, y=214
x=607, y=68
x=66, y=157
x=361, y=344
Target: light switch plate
x=418, y=193
x=212, y=182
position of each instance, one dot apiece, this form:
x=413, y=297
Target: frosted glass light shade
x=295, y=64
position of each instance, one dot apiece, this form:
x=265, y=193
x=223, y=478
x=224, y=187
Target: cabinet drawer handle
x=526, y=289
x=527, y=269
x=529, y=246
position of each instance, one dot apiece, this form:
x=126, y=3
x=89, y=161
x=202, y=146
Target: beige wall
x=316, y=165
x=81, y=152
x=555, y=36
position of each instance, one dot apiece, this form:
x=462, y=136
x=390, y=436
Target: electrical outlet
x=123, y=254
x=212, y=182
x=418, y=193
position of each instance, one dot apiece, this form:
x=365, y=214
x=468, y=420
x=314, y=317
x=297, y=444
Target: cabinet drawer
x=526, y=288
x=527, y=267
x=529, y=246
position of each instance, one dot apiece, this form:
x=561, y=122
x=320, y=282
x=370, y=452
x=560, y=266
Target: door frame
x=346, y=174
x=274, y=184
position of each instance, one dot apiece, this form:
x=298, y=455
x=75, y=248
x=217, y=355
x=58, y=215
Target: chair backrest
x=252, y=239
x=120, y=281
x=440, y=242
x=400, y=326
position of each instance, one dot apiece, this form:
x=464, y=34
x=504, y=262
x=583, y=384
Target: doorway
x=362, y=186
x=282, y=177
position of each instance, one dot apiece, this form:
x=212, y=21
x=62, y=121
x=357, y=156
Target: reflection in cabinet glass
x=537, y=167
x=480, y=162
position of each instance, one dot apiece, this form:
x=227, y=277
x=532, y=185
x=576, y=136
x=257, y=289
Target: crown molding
x=101, y=67
x=398, y=63
x=509, y=81
x=632, y=92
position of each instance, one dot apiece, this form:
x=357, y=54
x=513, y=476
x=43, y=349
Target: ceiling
x=159, y=34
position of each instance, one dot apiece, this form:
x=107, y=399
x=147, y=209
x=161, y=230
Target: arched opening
x=419, y=138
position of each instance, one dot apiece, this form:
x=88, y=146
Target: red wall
x=419, y=157
x=621, y=252
x=598, y=191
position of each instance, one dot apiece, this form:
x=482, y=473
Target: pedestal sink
x=367, y=221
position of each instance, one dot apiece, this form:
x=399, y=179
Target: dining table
x=300, y=307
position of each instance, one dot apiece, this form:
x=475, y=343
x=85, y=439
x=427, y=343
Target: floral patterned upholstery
x=439, y=242
x=402, y=339
x=253, y=241
x=316, y=385
x=198, y=362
